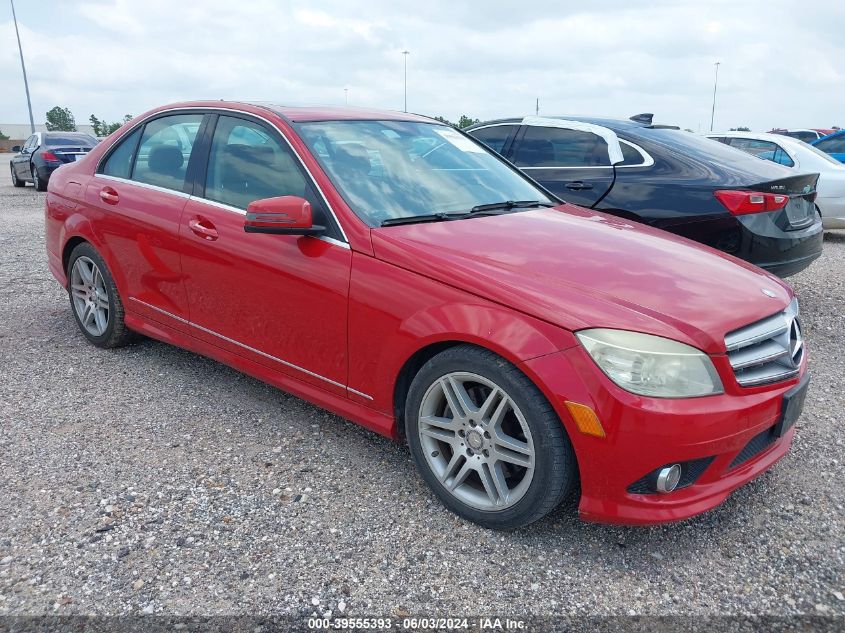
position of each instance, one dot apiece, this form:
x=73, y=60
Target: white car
x=802, y=157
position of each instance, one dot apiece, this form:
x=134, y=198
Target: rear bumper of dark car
x=780, y=252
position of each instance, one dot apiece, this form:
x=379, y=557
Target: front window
x=396, y=169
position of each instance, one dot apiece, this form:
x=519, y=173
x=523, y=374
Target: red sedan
x=398, y=273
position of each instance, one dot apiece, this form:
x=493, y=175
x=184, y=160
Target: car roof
x=837, y=133
x=760, y=136
x=306, y=113
x=613, y=124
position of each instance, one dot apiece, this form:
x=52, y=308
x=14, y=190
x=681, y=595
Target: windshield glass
x=74, y=140
x=397, y=169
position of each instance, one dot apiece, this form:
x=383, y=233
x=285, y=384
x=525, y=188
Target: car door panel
x=279, y=300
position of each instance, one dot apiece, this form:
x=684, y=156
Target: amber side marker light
x=585, y=418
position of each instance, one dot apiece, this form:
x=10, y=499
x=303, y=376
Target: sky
x=782, y=62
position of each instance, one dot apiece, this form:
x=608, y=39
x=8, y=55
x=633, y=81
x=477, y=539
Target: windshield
x=398, y=169
x=52, y=140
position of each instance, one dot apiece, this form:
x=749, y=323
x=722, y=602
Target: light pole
x=715, y=83
x=406, y=53
x=23, y=68
x=346, y=96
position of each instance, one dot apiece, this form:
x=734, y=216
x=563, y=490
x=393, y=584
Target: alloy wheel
x=476, y=441
x=90, y=297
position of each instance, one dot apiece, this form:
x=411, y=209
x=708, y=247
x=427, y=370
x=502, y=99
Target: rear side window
x=494, y=136
x=832, y=145
x=165, y=149
x=559, y=147
x=803, y=136
x=119, y=162
x=767, y=150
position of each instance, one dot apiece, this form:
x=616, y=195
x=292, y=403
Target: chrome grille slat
x=769, y=350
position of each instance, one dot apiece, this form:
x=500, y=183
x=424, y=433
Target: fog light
x=668, y=478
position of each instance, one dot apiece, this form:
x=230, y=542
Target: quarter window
x=631, y=155
x=165, y=149
x=494, y=136
x=119, y=162
x=560, y=147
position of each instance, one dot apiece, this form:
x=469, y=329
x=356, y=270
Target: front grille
x=757, y=445
x=767, y=351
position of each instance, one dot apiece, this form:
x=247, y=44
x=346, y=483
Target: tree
x=3, y=137
x=466, y=121
x=102, y=128
x=60, y=120
x=444, y=120
x=741, y=128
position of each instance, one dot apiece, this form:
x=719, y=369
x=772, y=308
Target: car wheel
x=40, y=185
x=94, y=299
x=486, y=440
x=17, y=182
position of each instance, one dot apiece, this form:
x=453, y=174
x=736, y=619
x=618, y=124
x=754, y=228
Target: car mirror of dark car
x=284, y=215
x=16, y=149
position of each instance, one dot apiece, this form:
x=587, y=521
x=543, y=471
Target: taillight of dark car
x=49, y=156
x=745, y=202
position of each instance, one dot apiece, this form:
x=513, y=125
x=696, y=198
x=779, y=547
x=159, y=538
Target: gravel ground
x=152, y=480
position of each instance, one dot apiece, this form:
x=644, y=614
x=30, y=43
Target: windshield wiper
x=510, y=204
x=431, y=217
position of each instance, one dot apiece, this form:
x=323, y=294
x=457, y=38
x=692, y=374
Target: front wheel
x=486, y=440
x=17, y=182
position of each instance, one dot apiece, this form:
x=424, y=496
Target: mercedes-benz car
x=44, y=152
x=670, y=179
x=396, y=272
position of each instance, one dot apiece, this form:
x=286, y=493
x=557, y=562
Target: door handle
x=203, y=228
x=109, y=195
x=578, y=185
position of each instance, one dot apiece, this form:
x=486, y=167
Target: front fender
x=395, y=313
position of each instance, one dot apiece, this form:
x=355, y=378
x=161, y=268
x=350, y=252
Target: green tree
x=741, y=128
x=3, y=137
x=466, y=121
x=102, y=128
x=97, y=125
x=444, y=120
x=60, y=120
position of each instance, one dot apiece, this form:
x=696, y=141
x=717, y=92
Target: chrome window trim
x=145, y=185
x=243, y=113
x=648, y=161
x=251, y=349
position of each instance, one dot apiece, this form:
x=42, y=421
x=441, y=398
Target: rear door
x=140, y=189
x=571, y=159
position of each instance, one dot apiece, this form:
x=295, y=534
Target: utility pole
x=715, y=83
x=406, y=53
x=346, y=95
x=537, y=107
x=23, y=68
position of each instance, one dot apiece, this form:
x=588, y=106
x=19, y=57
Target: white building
x=21, y=131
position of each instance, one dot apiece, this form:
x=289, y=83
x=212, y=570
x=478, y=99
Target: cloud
x=780, y=67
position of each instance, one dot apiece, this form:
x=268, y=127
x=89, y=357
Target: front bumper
x=643, y=434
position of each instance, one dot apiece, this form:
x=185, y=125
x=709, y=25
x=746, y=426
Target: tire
x=17, y=182
x=40, y=185
x=94, y=300
x=456, y=454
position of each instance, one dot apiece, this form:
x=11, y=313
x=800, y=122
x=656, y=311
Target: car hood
x=578, y=268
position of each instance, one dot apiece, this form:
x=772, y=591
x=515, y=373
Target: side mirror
x=285, y=215
x=16, y=149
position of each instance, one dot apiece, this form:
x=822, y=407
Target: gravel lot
x=149, y=479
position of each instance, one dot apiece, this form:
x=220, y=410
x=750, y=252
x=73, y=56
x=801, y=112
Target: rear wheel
x=17, y=182
x=486, y=441
x=40, y=185
x=94, y=299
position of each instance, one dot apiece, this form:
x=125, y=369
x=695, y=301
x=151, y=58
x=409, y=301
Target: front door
x=279, y=300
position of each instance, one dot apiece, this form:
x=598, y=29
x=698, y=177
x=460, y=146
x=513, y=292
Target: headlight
x=651, y=365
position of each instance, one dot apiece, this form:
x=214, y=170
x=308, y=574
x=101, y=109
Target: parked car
x=393, y=270
x=44, y=152
x=801, y=157
x=834, y=144
x=808, y=135
x=670, y=179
